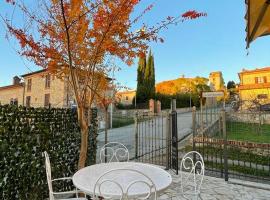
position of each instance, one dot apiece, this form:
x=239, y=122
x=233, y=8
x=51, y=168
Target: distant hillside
x=182, y=85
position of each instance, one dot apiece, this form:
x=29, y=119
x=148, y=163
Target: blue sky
x=194, y=48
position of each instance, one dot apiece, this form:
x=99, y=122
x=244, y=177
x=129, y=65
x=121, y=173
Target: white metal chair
x=52, y=194
x=114, y=152
x=191, y=174
x=124, y=188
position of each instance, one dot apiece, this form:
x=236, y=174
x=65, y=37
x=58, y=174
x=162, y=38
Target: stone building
x=43, y=89
x=13, y=94
x=216, y=81
x=126, y=97
x=255, y=86
x=38, y=89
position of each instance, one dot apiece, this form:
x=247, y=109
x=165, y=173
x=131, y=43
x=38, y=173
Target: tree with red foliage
x=73, y=38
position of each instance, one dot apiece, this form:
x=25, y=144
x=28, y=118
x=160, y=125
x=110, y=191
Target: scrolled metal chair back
x=192, y=173
x=114, y=152
x=124, y=189
x=48, y=174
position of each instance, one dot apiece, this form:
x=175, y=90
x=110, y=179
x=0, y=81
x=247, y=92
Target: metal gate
x=157, y=137
x=151, y=138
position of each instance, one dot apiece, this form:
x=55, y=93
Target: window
x=14, y=101
x=262, y=96
x=47, y=81
x=126, y=98
x=47, y=100
x=265, y=79
x=28, y=101
x=29, y=84
x=262, y=79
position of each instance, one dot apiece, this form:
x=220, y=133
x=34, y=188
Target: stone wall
x=38, y=91
x=256, y=148
x=9, y=93
x=249, y=117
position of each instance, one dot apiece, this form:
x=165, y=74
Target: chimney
x=16, y=80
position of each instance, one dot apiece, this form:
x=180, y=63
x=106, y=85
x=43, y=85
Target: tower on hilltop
x=216, y=81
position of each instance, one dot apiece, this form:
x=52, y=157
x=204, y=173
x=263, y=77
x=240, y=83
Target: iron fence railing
x=237, y=145
x=151, y=139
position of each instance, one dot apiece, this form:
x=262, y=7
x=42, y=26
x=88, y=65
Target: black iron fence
x=236, y=145
x=151, y=138
x=158, y=137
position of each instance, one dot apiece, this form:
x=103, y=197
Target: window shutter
x=47, y=100
x=29, y=85
x=28, y=101
x=47, y=81
x=256, y=79
x=265, y=79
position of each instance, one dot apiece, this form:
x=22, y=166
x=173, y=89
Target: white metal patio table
x=86, y=178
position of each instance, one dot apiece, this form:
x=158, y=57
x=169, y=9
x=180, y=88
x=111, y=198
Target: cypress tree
x=151, y=77
x=145, y=79
x=140, y=97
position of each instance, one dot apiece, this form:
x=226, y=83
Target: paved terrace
x=218, y=189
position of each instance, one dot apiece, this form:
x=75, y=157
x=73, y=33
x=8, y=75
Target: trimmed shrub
x=182, y=100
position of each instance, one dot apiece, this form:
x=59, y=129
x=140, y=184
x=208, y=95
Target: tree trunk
x=83, y=121
x=106, y=132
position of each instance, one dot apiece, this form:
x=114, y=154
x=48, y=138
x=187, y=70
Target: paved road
x=152, y=133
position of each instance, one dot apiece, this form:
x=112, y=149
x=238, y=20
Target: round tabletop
x=85, y=179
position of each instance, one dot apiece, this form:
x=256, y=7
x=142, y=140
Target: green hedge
x=182, y=100
x=24, y=134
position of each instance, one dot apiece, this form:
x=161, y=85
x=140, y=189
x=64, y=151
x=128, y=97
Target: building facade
x=216, y=81
x=43, y=89
x=38, y=89
x=12, y=94
x=126, y=97
x=254, y=86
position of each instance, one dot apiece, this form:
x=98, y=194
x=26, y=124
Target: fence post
x=174, y=136
x=168, y=140
x=201, y=119
x=225, y=152
x=193, y=127
x=136, y=134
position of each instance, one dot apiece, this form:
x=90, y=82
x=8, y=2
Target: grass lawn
x=248, y=132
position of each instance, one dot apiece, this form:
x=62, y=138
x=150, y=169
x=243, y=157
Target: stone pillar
x=158, y=107
x=152, y=105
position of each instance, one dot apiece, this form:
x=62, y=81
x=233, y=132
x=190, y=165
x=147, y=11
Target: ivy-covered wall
x=24, y=134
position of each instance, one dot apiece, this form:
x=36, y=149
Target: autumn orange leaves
x=74, y=37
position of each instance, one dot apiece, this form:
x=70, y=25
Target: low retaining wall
x=256, y=148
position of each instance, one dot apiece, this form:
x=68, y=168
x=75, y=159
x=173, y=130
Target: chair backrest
x=114, y=152
x=49, y=175
x=124, y=188
x=192, y=173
